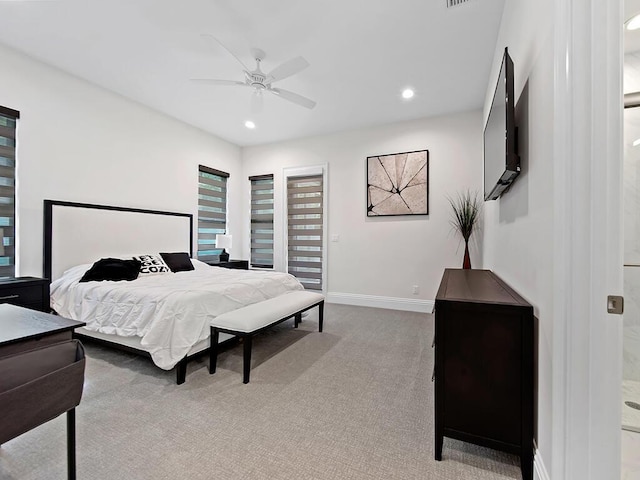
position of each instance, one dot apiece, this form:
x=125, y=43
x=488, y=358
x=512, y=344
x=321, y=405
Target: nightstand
x=238, y=264
x=29, y=292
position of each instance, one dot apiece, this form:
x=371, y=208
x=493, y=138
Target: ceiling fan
x=262, y=82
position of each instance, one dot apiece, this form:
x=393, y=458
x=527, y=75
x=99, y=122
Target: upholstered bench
x=247, y=321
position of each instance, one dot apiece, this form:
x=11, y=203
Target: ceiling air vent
x=455, y=3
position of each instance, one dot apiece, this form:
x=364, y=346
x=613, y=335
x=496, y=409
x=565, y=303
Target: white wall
x=518, y=242
x=377, y=260
x=78, y=142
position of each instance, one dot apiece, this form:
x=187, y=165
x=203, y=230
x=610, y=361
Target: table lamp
x=223, y=242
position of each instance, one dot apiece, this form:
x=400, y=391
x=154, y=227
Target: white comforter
x=170, y=312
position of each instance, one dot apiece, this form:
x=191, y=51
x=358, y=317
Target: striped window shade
x=262, y=221
x=304, y=220
x=212, y=211
x=8, y=122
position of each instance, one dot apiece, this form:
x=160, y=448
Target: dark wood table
x=23, y=329
x=30, y=292
x=235, y=264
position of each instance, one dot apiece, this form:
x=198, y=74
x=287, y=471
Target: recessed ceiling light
x=407, y=93
x=250, y=124
x=633, y=23
x=636, y=142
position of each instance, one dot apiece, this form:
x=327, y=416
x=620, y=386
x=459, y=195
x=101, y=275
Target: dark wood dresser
x=484, y=334
x=29, y=292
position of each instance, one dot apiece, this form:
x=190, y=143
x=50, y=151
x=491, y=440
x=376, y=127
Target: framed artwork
x=398, y=184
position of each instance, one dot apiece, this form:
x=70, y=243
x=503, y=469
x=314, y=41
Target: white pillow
x=152, y=264
x=198, y=264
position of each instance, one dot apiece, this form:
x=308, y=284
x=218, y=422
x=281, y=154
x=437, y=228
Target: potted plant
x=466, y=209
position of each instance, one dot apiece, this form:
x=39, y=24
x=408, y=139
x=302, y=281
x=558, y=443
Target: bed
x=166, y=315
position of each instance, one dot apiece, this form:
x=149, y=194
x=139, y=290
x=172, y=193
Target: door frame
x=289, y=172
x=588, y=240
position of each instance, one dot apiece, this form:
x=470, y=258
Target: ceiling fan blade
x=213, y=81
x=294, y=97
x=256, y=101
x=288, y=68
x=208, y=35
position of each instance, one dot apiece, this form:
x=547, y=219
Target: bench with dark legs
x=247, y=321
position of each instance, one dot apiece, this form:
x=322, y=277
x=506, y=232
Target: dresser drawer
x=22, y=295
x=29, y=292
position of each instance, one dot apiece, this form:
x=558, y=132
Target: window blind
x=8, y=123
x=262, y=221
x=304, y=220
x=212, y=211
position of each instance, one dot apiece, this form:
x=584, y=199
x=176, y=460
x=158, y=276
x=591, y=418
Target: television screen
x=501, y=161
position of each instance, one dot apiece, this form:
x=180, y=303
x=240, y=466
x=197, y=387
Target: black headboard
x=100, y=231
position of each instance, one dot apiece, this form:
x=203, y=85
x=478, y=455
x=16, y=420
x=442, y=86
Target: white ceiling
x=362, y=54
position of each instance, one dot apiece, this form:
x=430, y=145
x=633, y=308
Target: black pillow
x=177, y=262
x=112, y=269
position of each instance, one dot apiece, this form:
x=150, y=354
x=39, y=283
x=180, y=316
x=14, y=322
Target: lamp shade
x=224, y=241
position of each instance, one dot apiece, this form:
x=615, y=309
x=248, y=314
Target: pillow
x=200, y=265
x=177, y=262
x=113, y=269
x=152, y=264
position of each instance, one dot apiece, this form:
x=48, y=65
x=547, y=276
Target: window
x=212, y=211
x=262, y=221
x=8, y=121
x=304, y=220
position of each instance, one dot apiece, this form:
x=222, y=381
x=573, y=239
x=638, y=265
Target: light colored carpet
x=354, y=402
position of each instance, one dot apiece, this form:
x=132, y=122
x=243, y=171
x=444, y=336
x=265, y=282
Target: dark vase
x=466, y=264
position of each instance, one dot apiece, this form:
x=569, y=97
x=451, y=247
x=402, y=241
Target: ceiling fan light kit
x=261, y=82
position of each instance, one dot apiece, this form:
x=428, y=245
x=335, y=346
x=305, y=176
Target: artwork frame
x=398, y=184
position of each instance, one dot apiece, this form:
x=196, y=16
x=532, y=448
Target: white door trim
x=587, y=239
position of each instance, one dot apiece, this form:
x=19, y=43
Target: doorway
x=630, y=409
x=631, y=325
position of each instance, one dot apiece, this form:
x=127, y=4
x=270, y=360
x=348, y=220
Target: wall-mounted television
x=501, y=160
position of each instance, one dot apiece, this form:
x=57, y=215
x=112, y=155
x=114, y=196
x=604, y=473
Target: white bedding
x=170, y=312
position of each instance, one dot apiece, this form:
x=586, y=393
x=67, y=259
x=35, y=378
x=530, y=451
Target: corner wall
x=79, y=142
x=377, y=260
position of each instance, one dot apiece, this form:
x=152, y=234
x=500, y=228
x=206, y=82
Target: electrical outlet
x=416, y=289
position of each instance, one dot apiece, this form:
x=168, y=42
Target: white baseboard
x=392, y=303
x=539, y=470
